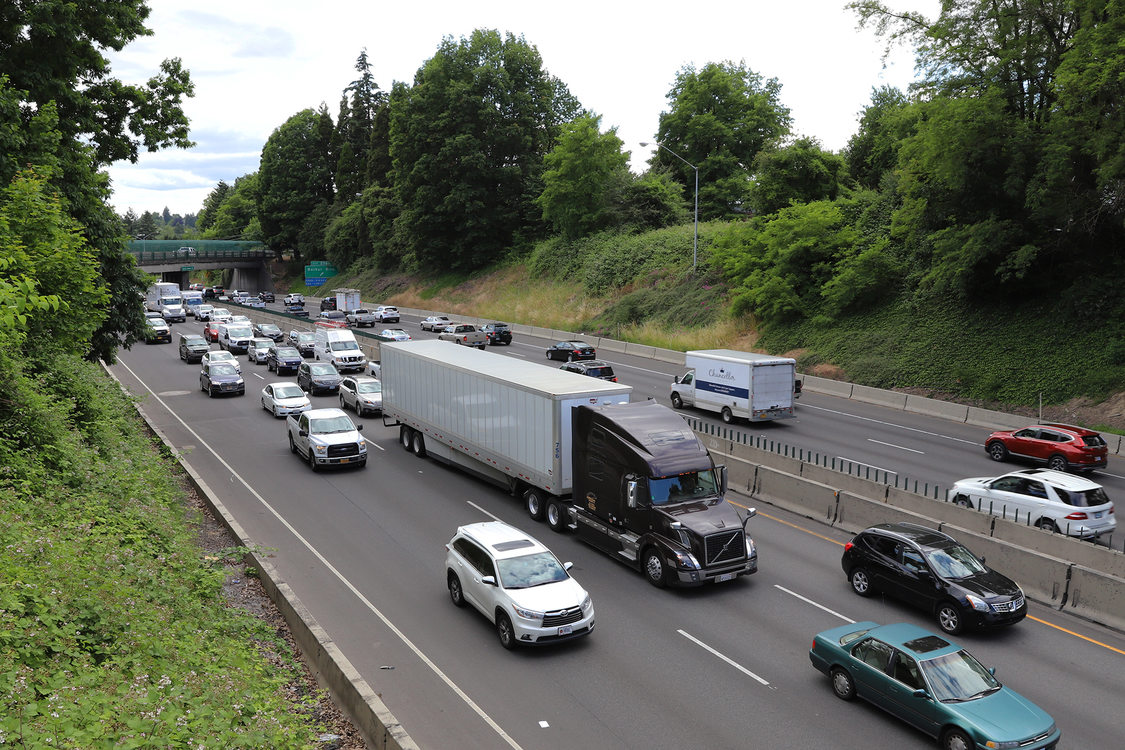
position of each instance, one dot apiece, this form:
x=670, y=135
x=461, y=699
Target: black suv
x=498, y=333
x=931, y=570
x=193, y=347
x=328, y=303
x=595, y=368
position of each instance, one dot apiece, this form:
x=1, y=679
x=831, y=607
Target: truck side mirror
x=359, y=428
x=750, y=513
x=676, y=379
x=722, y=479
x=631, y=493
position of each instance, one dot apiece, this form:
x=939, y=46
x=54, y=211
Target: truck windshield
x=681, y=487
x=170, y=301
x=343, y=346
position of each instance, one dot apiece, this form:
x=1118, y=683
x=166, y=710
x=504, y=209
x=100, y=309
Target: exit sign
x=187, y=268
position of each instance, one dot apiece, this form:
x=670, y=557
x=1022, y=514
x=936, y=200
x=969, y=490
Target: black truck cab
x=646, y=491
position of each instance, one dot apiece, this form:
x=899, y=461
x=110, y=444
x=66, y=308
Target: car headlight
x=587, y=604
x=527, y=614
x=321, y=448
x=240, y=381
x=1002, y=745
x=980, y=605
x=685, y=560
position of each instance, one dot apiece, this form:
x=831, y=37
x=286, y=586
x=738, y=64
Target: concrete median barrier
x=639, y=350
x=941, y=511
x=842, y=481
x=878, y=396
x=933, y=407
x=827, y=386
x=1042, y=577
x=1097, y=596
x=855, y=513
x=612, y=345
x=810, y=499
x=1068, y=548
x=668, y=355
x=995, y=420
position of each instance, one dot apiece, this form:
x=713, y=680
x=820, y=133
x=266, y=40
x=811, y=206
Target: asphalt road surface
x=725, y=666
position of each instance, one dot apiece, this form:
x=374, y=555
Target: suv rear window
x=600, y=372
x=1093, y=441
x=1083, y=498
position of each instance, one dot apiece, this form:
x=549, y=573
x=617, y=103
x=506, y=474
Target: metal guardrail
x=176, y=256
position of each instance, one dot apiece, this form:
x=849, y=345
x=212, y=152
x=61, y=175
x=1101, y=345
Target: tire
x=1057, y=462
x=677, y=402
x=418, y=445
x=728, y=415
x=949, y=619
x=860, y=580
x=842, y=684
x=405, y=437
x=344, y=405
x=505, y=631
x=548, y=355
x=312, y=461
x=955, y=739
x=210, y=391
x=997, y=452
x=1047, y=525
x=533, y=501
x=274, y=411
x=456, y=594
x=556, y=516
x=653, y=568
x=292, y=445
x=963, y=501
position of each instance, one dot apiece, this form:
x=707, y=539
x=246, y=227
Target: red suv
x=1061, y=446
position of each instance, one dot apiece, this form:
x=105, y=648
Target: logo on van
x=720, y=374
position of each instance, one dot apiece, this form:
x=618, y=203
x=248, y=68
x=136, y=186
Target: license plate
x=344, y=460
x=724, y=577
x=566, y=630
x=1099, y=514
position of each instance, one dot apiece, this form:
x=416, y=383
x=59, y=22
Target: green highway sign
x=187, y=268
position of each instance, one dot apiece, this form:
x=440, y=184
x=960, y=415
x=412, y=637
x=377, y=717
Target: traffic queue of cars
x=530, y=598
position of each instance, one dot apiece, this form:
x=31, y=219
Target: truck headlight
x=527, y=614
x=362, y=446
x=321, y=448
x=751, y=550
x=685, y=560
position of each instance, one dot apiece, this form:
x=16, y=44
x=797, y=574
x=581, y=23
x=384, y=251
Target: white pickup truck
x=326, y=437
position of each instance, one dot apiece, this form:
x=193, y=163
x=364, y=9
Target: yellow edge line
x=841, y=544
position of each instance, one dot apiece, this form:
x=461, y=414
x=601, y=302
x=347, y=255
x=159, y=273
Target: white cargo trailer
x=755, y=387
x=504, y=419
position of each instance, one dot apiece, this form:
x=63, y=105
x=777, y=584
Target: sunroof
x=927, y=644
x=514, y=544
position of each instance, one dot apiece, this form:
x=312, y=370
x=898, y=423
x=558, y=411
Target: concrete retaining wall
x=1097, y=596
x=1042, y=577
x=878, y=396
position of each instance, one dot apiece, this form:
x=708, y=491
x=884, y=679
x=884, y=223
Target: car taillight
x=848, y=546
x=614, y=379
x=1077, y=516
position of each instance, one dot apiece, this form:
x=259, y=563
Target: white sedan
x=434, y=323
x=283, y=399
x=220, y=355
x=395, y=334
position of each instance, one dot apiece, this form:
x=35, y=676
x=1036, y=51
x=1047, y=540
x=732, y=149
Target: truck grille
x=337, y=451
x=562, y=617
x=724, y=547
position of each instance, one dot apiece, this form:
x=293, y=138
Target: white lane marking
x=725, y=658
x=482, y=510
x=818, y=606
x=259, y=377
x=544, y=725
x=892, y=445
x=891, y=424
x=339, y=576
x=864, y=463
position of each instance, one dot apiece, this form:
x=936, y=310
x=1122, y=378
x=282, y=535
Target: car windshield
x=220, y=311
x=954, y=561
x=286, y=351
x=373, y=386
x=310, y=336
x=322, y=369
x=343, y=346
x=238, y=331
x=262, y=343
x=328, y=425
x=1083, y=498
x=269, y=328
x=223, y=370
x=217, y=356
x=530, y=570
x=287, y=391
x=194, y=340
x=664, y=490
x=958, y=677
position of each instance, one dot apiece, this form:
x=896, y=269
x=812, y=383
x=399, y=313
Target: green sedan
x=932, y=683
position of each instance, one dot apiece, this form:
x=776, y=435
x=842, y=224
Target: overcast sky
x=256, y=63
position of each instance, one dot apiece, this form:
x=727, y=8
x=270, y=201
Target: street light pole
x=695, y=240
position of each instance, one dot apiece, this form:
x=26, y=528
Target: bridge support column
x=253, y=280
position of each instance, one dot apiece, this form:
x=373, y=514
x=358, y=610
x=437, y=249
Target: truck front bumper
x=717, y=574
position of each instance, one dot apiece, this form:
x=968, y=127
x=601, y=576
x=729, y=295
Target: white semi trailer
x=738, y=385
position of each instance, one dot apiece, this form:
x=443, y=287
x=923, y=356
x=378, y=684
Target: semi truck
x=164, y=297
x=631, y=479
x=738, y=385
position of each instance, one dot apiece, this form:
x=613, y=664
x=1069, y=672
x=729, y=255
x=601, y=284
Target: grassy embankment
x=113, y=627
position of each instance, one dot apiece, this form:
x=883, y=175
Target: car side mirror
x=920, y=693
x=359, y=428
x=303, y=433
x=676, y=379
x=992, y=671
x=488, y=580
x=568, y=565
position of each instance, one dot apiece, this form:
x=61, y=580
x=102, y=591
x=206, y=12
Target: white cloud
x=256, y=63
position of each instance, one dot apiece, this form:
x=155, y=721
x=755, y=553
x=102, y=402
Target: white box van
x=755, y=387
x=235, y=337
x=338, y=346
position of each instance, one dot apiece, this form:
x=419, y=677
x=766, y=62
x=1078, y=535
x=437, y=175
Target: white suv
x=517, y=583
x=1049, y=499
